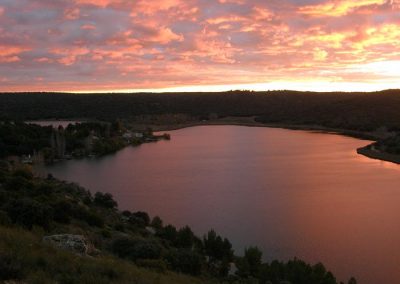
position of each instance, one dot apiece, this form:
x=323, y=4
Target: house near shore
x=129, y=135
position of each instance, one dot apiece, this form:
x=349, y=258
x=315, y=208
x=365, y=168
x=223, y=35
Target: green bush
x=89, y=216
x=105, y=200
x=142, y=216
x=185, y=261
x=62, y=211
x=27, y=212
x=9, y=269
x=4, y=219
x=136, y=248
x=153, y=264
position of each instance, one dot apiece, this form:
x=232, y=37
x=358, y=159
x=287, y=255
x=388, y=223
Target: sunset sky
x=208, y=45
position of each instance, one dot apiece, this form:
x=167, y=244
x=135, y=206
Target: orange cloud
x=337, y=8
x=100, y=3
x=151, y=7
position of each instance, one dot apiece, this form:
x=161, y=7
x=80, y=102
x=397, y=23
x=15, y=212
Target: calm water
x=292, y=193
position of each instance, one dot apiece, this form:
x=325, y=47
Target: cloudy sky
x=110, y=45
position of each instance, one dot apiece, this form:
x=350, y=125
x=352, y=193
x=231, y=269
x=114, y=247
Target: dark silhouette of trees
x=356, y=111
x=105, y=200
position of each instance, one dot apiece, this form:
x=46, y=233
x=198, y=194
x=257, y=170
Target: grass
x=24, y=257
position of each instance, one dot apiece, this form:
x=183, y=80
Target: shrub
x=168, y=233
x=89, y=216
x=9, y=270
x=62, y=212
x=157, y=223
x=43, y=188
x=23, y=172
x=4, y=219
x=185, y=261
x=93, y=219
x=105, y=200
x=28, y=212
x=154, y=264
x=135, y=249
x=106, y=234
x=138, y=222
x=143, y=216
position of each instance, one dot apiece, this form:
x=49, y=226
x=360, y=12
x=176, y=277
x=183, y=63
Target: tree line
x=355, y=111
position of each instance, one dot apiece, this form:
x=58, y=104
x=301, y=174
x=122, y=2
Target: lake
x=292, y=193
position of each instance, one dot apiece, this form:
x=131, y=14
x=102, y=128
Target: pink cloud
x=68, y=56
x=9, y=54
x=72, y=13
x=136, y=44
x=88, y=27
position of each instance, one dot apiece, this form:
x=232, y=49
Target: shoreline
x=365, y=151
x=250, y=122
x=245, y=121
x=377, y=155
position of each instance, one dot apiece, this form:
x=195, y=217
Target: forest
x=352, y=111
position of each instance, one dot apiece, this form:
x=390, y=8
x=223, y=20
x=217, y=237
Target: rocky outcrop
x=74, y=243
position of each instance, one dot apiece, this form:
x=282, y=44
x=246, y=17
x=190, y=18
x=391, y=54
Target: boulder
x=75, y=243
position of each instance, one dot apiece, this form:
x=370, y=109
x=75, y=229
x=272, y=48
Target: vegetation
x=369, y=115
x=128, y=245
x=76, y=140
x=23, y=139
x=353, y=111
x=389, y=145
x=24, y=257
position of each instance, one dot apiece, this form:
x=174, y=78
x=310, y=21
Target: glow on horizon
x=261, y=87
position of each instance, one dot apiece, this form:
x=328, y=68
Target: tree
x=352, y=281
x=105, y=200
x=157, y=223
x=168, y=233
x=143, y=216
x=216, y=248
x=253, y=257
x=185, y=238
x=250, y=263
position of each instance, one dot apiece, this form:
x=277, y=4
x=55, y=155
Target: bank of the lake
x=369, y=152
x=251, y=122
